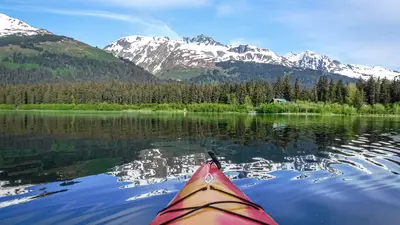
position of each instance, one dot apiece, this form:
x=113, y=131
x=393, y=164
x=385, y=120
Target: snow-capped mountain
x=312, y=60
x=12, y=26
x=158, y=54
x=154, y=167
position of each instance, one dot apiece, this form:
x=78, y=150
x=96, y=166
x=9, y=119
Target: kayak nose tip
x=214, y=159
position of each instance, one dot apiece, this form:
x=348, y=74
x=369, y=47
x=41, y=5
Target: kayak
x=209, y=197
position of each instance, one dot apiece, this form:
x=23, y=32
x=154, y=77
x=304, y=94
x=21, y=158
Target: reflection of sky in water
x=312, y=179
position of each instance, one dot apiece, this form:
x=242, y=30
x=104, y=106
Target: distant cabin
x=280, y=100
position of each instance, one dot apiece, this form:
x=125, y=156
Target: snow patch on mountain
x=12, y=26
x=312, y=60
x=158, y=54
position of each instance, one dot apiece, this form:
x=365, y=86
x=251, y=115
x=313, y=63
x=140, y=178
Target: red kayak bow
x=209, y=197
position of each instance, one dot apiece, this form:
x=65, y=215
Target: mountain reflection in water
x=99, y=167
x=154, y=168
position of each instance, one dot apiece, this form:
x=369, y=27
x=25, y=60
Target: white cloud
x=358, y=31
x=100, y=14
x=151, y=27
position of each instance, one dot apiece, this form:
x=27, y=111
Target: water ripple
x=301, y=170
x=362, y=153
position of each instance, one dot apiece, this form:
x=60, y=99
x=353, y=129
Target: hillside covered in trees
x=58, y=59
x=239, y=71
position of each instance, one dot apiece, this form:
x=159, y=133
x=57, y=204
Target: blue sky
x=352, y=31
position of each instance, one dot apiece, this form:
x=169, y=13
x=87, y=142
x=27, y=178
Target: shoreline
x=208, y=108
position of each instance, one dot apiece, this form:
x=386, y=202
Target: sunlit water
x=116, y=168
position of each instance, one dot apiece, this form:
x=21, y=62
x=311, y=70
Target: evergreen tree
x=306, y=95
x=278, y=88
x=360, y=84
x=359, y=99
x=385, y=95
x=232, y=99
x=241, y=93
x=286, y=88
x=352, y=91
x=269, y=92
x=370, y=90
x=341, y=92
x=258, y=95
x=332, y=92
x=378, y=90
x=247, y=101
x=297, y=90
x=322, y=89
x=395, y=90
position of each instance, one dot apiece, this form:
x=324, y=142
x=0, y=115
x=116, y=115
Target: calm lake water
x=115, y=168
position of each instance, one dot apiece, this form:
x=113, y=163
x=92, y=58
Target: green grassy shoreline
x=306, y=108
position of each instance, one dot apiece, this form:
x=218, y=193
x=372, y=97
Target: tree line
x=371, y=91
x=30, y=41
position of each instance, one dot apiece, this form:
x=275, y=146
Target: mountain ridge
x=29, y=48
x=204, y=52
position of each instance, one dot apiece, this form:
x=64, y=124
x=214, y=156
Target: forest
x=51, y=68
x=378, y=94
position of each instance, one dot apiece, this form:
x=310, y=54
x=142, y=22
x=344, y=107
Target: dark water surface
x=116, y=168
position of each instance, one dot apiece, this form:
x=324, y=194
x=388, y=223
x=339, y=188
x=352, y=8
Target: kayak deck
x=209, y=197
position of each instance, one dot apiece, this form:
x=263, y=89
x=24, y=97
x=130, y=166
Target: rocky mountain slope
x=32, y=55
x=160, y=54
x=12, y=26
x=312, y=60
